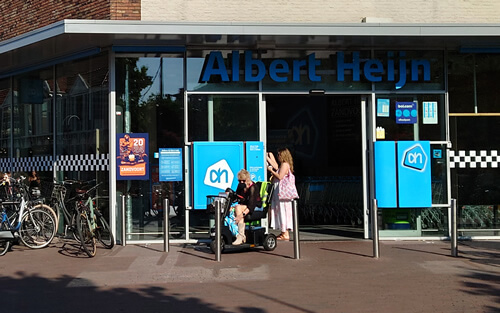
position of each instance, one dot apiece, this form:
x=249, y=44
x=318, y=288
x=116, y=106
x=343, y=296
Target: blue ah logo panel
x=216, y=165
x=414, y=174
x=385, y=174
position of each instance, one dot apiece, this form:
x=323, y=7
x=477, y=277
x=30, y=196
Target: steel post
x=376, y=247
x=166, y=226
x=453, y=228
x=296, y=240
x=217, y=230
x=124, y=229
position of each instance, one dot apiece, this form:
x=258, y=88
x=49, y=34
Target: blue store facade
x=71, y=91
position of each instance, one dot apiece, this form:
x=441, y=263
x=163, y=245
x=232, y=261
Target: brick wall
x=125, y=9
x=323, y=11
x=21, y=16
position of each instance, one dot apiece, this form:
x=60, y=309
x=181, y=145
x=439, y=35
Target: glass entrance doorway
x=324, y=133
x=149, y=100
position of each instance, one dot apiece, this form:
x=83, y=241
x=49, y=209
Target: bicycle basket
x=212, y=200
x=59, y=192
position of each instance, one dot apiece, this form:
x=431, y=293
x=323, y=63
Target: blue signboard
x=170, y=164
x=385, y=174
x=414, y=174
x=242, y=66
x=406, y=112
x=403, y=174
x=255, y=161
x=132, y=156
x=215, y=168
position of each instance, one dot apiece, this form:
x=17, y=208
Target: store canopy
x=69, y=37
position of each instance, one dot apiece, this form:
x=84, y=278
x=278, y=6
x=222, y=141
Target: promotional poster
x=132, y=156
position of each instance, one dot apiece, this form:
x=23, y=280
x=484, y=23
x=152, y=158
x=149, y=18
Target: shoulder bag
x=287, y=188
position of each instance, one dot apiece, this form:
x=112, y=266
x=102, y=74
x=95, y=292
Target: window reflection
x=235, y=117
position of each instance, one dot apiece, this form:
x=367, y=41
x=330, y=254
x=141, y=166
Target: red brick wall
x=21, y=16
x=125, y=9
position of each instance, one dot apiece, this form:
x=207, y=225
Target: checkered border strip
x=474, y=159
x=81, y=163
x=27, y=164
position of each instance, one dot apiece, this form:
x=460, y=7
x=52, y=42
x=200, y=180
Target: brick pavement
x=330, y=276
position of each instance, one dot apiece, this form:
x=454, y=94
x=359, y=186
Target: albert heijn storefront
x=135, y=105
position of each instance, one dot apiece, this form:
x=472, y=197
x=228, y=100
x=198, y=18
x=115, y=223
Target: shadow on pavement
x=32, y=293
x=483, y=283
x=348, y=252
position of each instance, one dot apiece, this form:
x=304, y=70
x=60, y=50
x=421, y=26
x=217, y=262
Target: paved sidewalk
x=330, y=276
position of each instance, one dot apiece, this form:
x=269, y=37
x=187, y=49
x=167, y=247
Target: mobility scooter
x=256, y=235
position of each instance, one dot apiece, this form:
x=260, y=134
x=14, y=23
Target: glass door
x=325, y=135
x=150, y=100
x=424, y=126
x=220, y=117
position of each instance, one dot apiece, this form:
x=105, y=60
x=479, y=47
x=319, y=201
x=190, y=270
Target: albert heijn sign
x=216, y=68
x=403, y=174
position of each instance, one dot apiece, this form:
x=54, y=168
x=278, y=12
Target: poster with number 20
x=132, y=156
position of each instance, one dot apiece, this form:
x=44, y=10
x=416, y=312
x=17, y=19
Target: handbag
x=287, y=189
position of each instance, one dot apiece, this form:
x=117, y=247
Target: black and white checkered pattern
x=100, y=162
x=474, y=159
x=81, y=163
x=37, y=163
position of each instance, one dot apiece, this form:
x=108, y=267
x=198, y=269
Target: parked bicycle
x=24, y=219
x=91, y=224
x=65, y=208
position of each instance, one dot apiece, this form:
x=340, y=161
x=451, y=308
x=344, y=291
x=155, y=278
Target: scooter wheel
x=213, y=244
x=270, y=242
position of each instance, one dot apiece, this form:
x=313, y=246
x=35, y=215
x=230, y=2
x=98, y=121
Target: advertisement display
x=170, y=164
x=216, y=165
x=406, y=112
x=414, y=174
x=255, y=160
x=386, y=187
x=132, y=156
x=430, y=112
x=403, y=174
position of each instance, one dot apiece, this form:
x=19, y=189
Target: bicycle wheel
x=4, y=243
x=74, y=227
x=49, y=210
x=38, y=228
x=86, y=236
x=103, y=231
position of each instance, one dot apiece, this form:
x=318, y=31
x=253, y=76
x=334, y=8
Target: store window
x=150, y=99
x=472, y=84
x=426, y=120
x=196, y=65
x=5, y=124
x=33, y=114
x=82, y=108
x=427, y=123
x=474, y=123
x=79, y=94
x=411, y=70
x=223, y=117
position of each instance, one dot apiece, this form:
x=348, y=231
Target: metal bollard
x=124, y=231
x=453, y=228
x=217, y=231
x=296, y=240
x=376, y=247
x=166, y=225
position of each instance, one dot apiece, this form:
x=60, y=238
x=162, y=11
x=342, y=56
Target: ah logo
x=219, y=175
x=415, y=158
